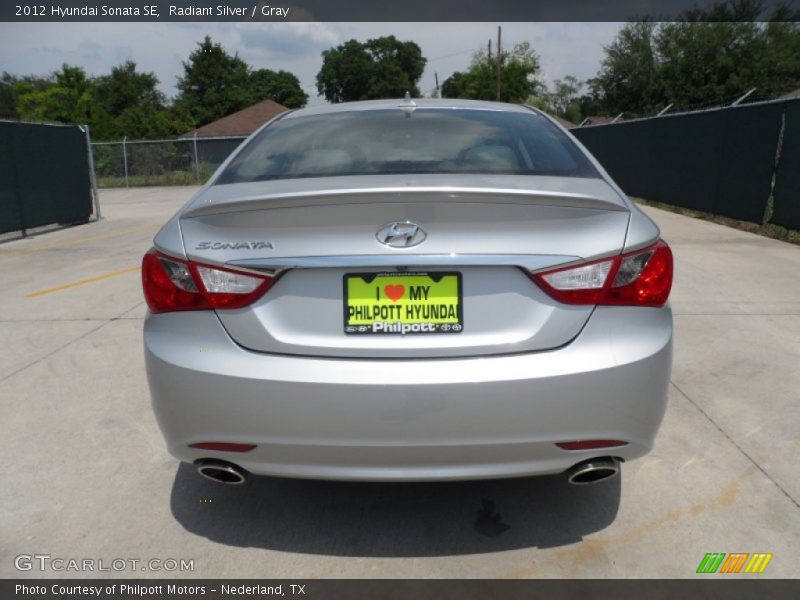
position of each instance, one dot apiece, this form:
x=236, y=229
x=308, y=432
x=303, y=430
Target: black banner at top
x=399, y=10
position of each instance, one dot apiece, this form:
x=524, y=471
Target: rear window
x=428, y=140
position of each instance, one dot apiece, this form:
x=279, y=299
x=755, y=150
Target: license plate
x=402, y=303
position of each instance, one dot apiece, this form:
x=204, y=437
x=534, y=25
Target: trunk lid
x=486, y=229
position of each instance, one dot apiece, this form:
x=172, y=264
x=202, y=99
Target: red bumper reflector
x=590, y=444
x=223, y=446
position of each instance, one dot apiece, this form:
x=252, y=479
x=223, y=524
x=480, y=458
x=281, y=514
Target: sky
x=40, y=48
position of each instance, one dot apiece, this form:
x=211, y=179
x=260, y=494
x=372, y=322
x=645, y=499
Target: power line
x=453, y=54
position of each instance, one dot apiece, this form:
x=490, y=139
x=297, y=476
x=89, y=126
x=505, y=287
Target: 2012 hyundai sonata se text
x=409, y=290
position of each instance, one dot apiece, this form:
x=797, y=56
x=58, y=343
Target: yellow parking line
x=81, y=282
x=68, y=243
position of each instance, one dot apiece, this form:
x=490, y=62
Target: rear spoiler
x=401, y=194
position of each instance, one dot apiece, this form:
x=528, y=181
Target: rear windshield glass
x=428, y=140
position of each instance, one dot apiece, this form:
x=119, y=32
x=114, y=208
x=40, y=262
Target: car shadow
x=392, y=519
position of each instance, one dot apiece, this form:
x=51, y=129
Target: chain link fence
x=184, y=161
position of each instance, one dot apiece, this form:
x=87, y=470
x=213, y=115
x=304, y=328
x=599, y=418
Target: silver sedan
x=409, y=290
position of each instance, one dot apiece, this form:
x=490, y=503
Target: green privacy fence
x=718, y=161
x=786, y=210
x=45, y=176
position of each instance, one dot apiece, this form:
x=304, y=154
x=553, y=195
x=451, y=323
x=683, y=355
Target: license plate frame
x=440, y=318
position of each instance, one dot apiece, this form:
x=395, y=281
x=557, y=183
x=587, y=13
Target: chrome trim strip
x=530, y=262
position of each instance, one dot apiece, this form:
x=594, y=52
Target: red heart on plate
x=394, y=292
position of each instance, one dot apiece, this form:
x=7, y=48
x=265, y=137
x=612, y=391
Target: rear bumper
x=410, y=420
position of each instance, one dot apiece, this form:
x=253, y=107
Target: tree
x=281, y=86
x=707, y=63
x=565, y=94
x=12, y=86
x=519, y=70
x=707, y=57
x=8, y=96
x=128, y=103
x=383, y=67
x=214, y=84
x=66, y=98
x=563, y=100
x=125, y=87
x=456, y=85
x=123, y=103
x=779, y=64
x=588, y=105
x=628, y=79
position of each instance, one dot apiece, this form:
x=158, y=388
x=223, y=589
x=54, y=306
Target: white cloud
x=287, y=39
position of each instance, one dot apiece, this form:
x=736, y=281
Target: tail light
x=171, y=284
x=640, y=278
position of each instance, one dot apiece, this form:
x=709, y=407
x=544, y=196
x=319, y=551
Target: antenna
x=407, y=105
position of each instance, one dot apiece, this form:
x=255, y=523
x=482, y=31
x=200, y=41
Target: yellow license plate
x=402, y=303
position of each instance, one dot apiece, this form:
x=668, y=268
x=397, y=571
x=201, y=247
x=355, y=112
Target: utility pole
x=499, y=58
x=436, y=77
x=489, y=55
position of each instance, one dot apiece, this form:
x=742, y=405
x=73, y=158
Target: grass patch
x=769, y=230
x=161, y=179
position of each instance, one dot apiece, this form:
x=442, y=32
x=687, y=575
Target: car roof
x=451, y=103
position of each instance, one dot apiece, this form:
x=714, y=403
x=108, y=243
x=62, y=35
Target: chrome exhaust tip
x=221, y=471
x=593, y=470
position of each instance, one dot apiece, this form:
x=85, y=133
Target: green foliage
x=629, y=79
x=122, y=103
x=124, y=87
x=563, y=100
x=588, y=105
x=127, y=102
x=11, y=88
x=166, y=178
x=67, y=97
x=8, y=97
x=708, y=58
x=216, y=84
x=281, y=86
x=519, y=70
x=382, y=67
x=779, y=63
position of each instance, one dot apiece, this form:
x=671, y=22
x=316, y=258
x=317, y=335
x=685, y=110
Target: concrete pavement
x=87, y=475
